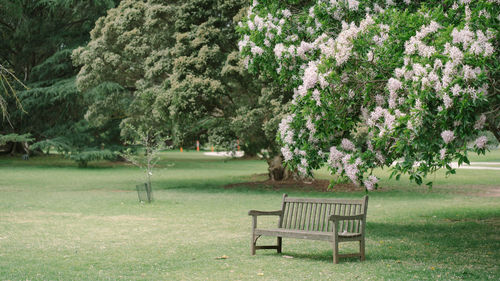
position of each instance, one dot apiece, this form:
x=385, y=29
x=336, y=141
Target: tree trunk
x=13, y=149
x=277, y=172
x=18, y=148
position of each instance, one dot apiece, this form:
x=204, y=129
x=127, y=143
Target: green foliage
x=175, y=64
x=82, y=158
x=15, y=138
x=60, y=144
x=125, y=63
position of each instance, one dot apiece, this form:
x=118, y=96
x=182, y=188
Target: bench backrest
x=312, y=214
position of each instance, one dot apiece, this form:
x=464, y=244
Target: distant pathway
x=473, y=166
x=225, y=153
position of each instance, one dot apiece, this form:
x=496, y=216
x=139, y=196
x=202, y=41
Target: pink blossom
x=353, y=5
x=351, y=93
x=369, y=56
x=455, y=90
x=469, y=73
x=286, y=13
x=335, y=154
x=380, y=157
x=393, y=85
x=347, y=145
x=310, y=125
x=370, y=182
x=302, y=170
x=399, y=72
x=426, y=51
x=464, y=36
x=284, y=129
x=454, y=53
x=481, y=141
x=351, y=172
x=442, y=153
x=256, y=50
x=287, y=154
x=278, y=50
x=322, y=80
x=448, y=136
x=317, y=97
x=389, y=120
x=438, y=64
x=447, y=101
x=379, y=100
x=480, y=122
x=310, y=75
x=304, y=48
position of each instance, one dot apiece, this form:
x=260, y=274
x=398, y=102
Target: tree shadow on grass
x=410, y=242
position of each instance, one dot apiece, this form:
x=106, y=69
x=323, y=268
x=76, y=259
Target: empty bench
x=332, y=220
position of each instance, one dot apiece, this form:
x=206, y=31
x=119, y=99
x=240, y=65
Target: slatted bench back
x=312, y=214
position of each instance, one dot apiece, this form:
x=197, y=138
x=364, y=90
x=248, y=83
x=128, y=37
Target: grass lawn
x=59, y=222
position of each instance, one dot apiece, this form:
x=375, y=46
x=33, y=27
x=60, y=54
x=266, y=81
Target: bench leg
x=335, y=245
x=280, y=243
x=253, y=244
x=362, y=249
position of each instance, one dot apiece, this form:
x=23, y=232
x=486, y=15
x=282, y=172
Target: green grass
x=59, y=222
x=490, y=156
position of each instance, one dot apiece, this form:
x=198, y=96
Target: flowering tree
x=378, y=83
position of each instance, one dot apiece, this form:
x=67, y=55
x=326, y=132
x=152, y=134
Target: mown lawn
x=59, y=222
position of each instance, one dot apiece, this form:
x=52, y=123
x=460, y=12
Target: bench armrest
x=347, y=217
x=262, y=213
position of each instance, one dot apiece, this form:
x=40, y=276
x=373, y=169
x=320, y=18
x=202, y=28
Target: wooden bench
x=332, y=220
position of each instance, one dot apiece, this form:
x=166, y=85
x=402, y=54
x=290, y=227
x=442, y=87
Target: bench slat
x=285, y=215
x=323, y=200
x=289, y=225
x=303, y=208
x=310, y=213
x=302, y=234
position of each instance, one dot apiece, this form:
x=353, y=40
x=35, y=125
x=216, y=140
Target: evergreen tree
x=37, y=38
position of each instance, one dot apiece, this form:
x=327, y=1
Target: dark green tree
x=36, y=41
x=125, y=64
x=175, y=67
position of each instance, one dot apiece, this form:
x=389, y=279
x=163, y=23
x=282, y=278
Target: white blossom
x=347, y=145
x=286, y=13
x=442, y=153
x=448, y=136
x=481, y=141
x=256, y=50
x=353, y=5
x=480, y=122
x=278, y=50
x=447, y=101
x=370, y=182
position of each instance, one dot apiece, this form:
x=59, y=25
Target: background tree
x=126, y=63
x=211, y=94
x=37, y=38
x=178, y=62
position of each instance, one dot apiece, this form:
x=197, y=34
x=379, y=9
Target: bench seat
x=305, y=234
